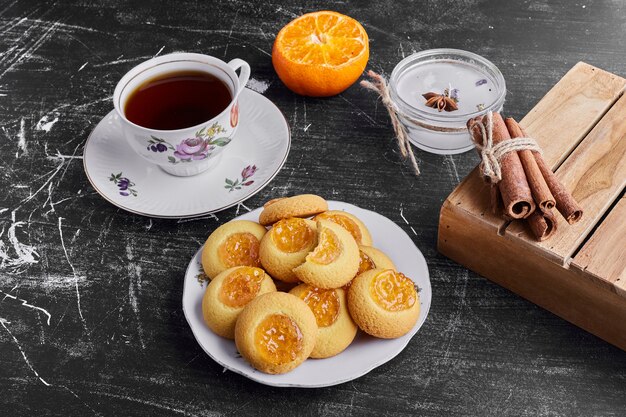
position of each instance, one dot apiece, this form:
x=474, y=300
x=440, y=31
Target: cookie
x=227, y=295
x=372, y=258
x=383, y=303
x=303, y=205
x=334, y=261
x=336, y=329
x=235, y=243
x=351, y=223
x=286, y=246
x=276, y=332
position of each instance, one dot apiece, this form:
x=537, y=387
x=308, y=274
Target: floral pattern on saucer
x=245, y=181
x=201, y=146
x=123, y=184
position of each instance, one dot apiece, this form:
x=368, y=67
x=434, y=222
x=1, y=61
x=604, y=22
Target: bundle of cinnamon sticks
x=528, y=189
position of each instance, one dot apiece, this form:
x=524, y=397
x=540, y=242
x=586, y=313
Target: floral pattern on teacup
x=199, y=147
x=158, y=145
x=234, y=115
x=124, y=185
x=245, y=180
x=193, y=149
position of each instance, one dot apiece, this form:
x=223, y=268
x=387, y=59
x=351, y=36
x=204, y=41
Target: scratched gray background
x=117, y=342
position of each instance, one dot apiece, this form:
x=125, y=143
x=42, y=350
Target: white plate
x=363, y=355
x=262, y=141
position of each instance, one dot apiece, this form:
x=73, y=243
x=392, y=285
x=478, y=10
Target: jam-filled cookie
x=383, y=303
x=235, y=243
x=351, y=223
x=303, y=205
x=336, y=329
x=285, y=247
x=372, y=258
x=227, y=295
x=335, y=259
x=276, y=332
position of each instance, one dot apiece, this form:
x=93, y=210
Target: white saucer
x=364, y=354
x=256, y=154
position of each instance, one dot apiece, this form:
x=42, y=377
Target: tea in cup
x=180, y=110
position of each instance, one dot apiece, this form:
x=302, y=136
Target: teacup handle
x=244, y=75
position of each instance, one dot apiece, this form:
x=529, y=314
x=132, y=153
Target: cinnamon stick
x=565, y=202
x=542, y=224
x=538, y=187
x=516, y=196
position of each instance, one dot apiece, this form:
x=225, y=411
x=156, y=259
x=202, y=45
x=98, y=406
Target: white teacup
x=191, y=150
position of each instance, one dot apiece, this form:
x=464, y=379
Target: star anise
x=440, y=101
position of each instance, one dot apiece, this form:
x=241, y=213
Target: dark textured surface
x=118, y=343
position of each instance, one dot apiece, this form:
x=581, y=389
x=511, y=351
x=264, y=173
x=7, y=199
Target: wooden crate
x=580, y=273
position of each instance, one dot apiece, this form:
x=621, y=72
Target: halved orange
x=320, y=54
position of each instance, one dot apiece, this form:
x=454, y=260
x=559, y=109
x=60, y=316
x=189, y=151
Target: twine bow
x=379, y=85
x=491, y=155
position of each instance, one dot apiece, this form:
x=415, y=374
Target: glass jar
x=475, y=83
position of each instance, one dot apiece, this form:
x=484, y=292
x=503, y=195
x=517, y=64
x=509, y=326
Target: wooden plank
x=604, y=255
x=620, y=285
x=524, y=271
x=595, y=173
x=580, y=99
x=564, y=116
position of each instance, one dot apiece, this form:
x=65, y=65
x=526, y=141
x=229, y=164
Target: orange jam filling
x=278, y=339
x=241, y=286
x=365, y=263
x=345, y=222
x=323, y=303
x=328, y=248
x=240, y=249
x=393, y=291
x=292, y=235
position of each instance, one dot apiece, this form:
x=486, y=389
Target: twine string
x=491, y=155
x=378, y=84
